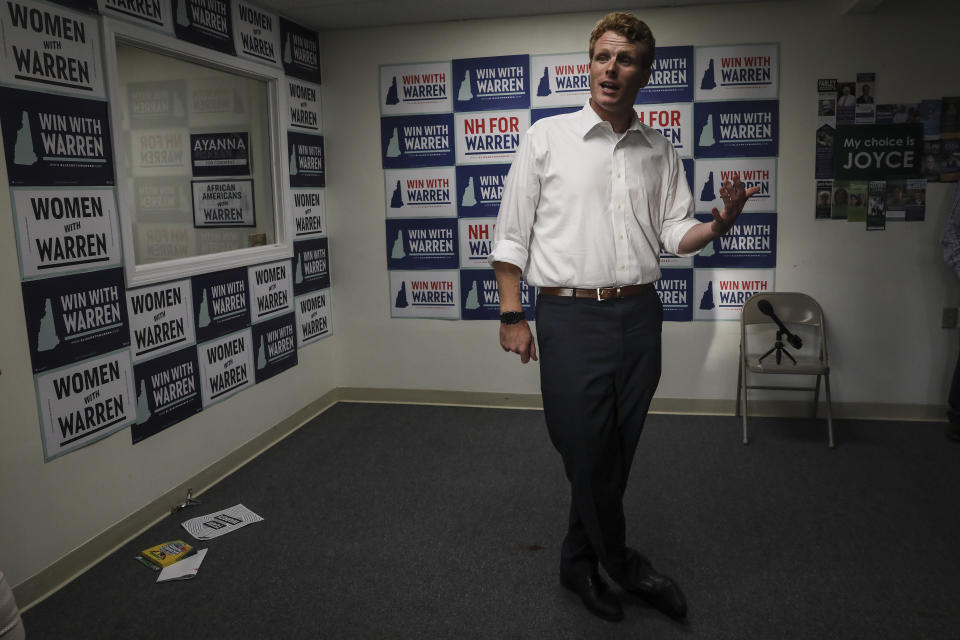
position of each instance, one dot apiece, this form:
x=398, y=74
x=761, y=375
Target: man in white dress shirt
x=589, y=200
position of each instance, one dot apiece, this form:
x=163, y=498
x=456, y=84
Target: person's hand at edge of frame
x=734, y=196
x=519, y=339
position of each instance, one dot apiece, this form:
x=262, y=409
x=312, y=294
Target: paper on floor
x=220, y=523
x=183, y=570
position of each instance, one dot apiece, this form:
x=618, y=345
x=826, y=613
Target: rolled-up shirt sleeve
x=518, y=206
x=677, y=207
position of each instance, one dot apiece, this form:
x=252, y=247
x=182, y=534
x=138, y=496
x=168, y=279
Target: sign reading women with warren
x=303, y=104
x=739, y=72
x=271, y=289
x=495, y=83
x=161, y=319
x=257, y=32
x=415, y=88
x=313, y=316
x=490, y=136
x=226, y=366
x=407, y=142
x=736, y=129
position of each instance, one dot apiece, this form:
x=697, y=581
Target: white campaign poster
x=736, y=72
x=415, y=88
x=559, y=80
x=425, y=294
x=223, y=203
x=719, y=294
x=709, y=175
x=161, y=319
x=673, y=121
x=148, y=13
x=314, y=316
x=84, y=402
x=476, y=242
x=226, y=366
x=271, y=289
x=309, y=213
x=160, y=152
x=65, y=230
x=256, y=33
x=164, y=241
x=420, y=193
x=303, y=104
x=489, y=136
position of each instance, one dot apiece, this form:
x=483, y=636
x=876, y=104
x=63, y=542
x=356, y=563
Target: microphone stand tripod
x=779, y=349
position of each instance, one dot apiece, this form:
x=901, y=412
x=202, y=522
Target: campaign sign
x=673, y=121
x=540, y=114
x=155, y=105
x=736, y=129
x=300, y=51
x=878, y=151
x=719, y=294
x=824, y=159
x=480, y=297
x=415, y=88
x=499, y=82
x=309, y=213
x=61, y=141
x=161, y=198
x=303, y=105
x=226, y=366
x=476, y=242
x=73, y=317
x=688, y=171
x=492, y=136
x=258, y=33
x=168, y=391
x=480, y=188
x=222, y=239
x=223, y=203
x=62, y=230
x=738, y=72
x=167, y=241
x=221, y=302
x=220, y=154
x=313, y=316
x=271, y=289
x=751, y=242
x=85, y=402
x=152, y=13
x=311, y=265
x=710, y=175
x=160, y=152
x=425, y=294
x=415, y=193
x=161, y=319
x=671, y=77
x=49, y=48
x=216, y=101
x=89, y=6
x=407, y=142
x=561, y=80
x=422, y=243
x=208, y=23
x=307, y=168
x=675, y=288
x=669, y=261
x=275, y=341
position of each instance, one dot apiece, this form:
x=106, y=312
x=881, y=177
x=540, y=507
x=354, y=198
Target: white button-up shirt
x=584, y=206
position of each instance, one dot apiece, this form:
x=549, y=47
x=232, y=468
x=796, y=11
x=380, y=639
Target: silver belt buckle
x=599, y=289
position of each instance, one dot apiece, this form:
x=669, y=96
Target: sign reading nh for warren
x=719, y=294
x=309, y=213
x=311, y=265
x=275, y=342
x=153, y=13
x=62, y=141
x=50, y=48
x=421, y=243
x=476, y=242
x=161, y=319
x=480, y=298
x=168, y=391
x=736, y=129
x=300, y=51
x=154, y=105
x=417, y=141
x=560, y=80
x=85, y=402
x=754, y=172
x=221, y=302
x=425, y=294
x=208, y=23
x=223, y=203
x=671, y=77
x=415, y=88
x=226, y=366
x=258, y=33
x=413, y=193
x=63, y=230
x=313, y=316
x=220, y=154
x=878, y=151
x=674, y=122
x=739, y=72
x=271, y=289
x=499, y=82
x=751, y=242
x=490, y=136
x=306, y=167
x=160, y=152
x=480, y=188
x=303, y=103
x=675, y=288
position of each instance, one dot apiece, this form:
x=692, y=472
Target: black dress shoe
x=657, y=590
x=595, y=593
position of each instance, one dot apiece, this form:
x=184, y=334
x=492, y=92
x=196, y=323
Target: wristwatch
x=511, y=317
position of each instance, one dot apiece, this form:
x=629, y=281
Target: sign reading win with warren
x=740, y=72
x=417, y=141
x=480, y=188
x=415, y=88
x=736, y=129
x=422, y=243
x=498, y=82
x=480, y=298
x=420, y=192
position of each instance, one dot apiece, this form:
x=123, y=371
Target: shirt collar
x=589, y=120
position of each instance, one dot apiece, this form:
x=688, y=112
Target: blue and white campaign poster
x=50, y=48
x=415, y=88
x=671, y=77
x=311, y=265
x=425, y=294
x=423, y=192
x=494, y=83
x=164, y=241
x=167, y=391
x=710, y=175
x=719, y=294
x=85, y=402
x=560, y=80
x=220, y=154
x=303, y=105
x=271, y=289
x=159, y=152
x=407, y=142
x=480, y=189
x=673, y=121
x=226, y=366
x=540, y=114
x=74, y=317
x=221, y=302
x=275, y=345
x=688, y=172
x=223, y=203
x=675, y=288
x=50, y=142
x=751, y=242
x=257, y=33
x=62, y=230
x=313, y=316
x=157, y=104
x=736, y=129
x=299, y=51
x=309, y=213
x=422, y=243
x=491, y=136
x=476, y=242
x=307, y=167
x=208, y=23
x=737, y=72
x=147, y=13
x=480, y=297
x=161, y=319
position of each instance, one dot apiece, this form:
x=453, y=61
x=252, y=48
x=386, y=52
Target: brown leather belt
x=598, y=293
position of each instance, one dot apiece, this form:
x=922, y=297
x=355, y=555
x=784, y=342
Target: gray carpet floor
x=401, y=521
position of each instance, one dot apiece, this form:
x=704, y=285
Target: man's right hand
x=518, y=339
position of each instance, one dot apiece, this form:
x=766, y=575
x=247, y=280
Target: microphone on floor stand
x=767, y=309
